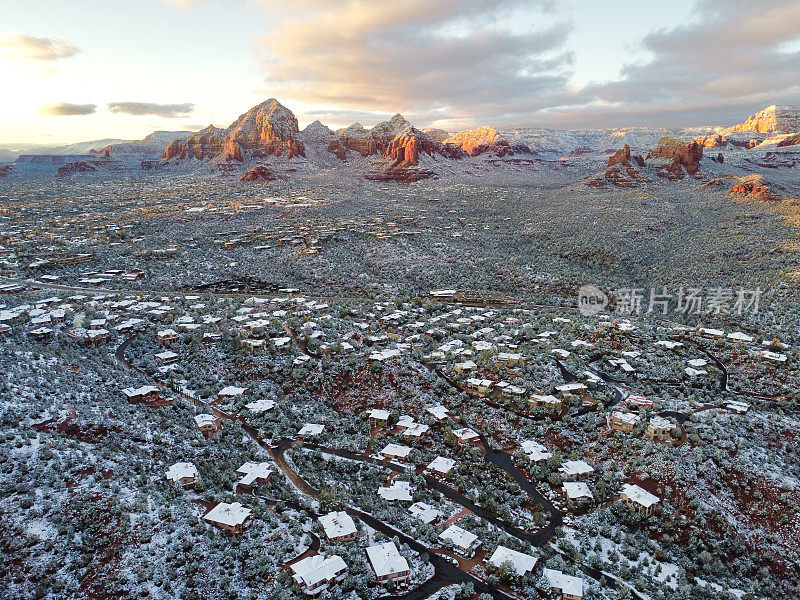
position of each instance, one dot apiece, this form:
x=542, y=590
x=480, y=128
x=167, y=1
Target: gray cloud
x=66, y=109
x=151, y=109
x=20, y=46
x=453, y=63
x=418, y=57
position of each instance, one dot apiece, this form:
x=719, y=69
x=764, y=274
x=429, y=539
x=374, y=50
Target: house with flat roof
x=395, y=452
x=575, y=469
x=659, y=428
x=623, y=421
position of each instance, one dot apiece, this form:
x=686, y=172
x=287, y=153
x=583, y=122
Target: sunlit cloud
x=140, y=109
x=20, y=46
x=66, y=109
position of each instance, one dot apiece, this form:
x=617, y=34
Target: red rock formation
x=336, y=147
x=258, y=173
x=207, y=143
x=613, y=173
x=358, y=139
x=384, y=133
x=486, y=139
x=789, y=140
x=620, y=157
x=753, y=186
x=400, y=161
x=684, y=156
x=5, y=171
x=71, y=168
x=712, y=141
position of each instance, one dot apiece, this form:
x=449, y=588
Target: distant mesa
x=72, y=168
x=152, y=144
x=482, y=140
x=258, y=173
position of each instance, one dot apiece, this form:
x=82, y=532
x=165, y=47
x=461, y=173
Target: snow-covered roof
x=523, y=563
x=441, y=464
x=545, y=399
x=228, y=514
x=313, y=570
x=576, y=467
x=386, y=559
x=398, y=491
x=337, y=524
x=572, y=586
x=465, y=434
x=379, y=414
x=396, y=450
x=625, y=417
x=231, y=391
x=439, y=412
x=260, y=405
x=253, y=471
x=182, y=470
x=535, y=451
x=311, y=429
x=140, y=391
x=639, y=495
x=461, y=538
x=577, y=489
x=424, y=512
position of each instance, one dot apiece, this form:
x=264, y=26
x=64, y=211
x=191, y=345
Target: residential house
x=208, y=424
x=231, y=518
x=523, y=563
x=253, y=473
x=639, y=499
x=398, y=491
x=183, y=473
x=316, y=573
x=575, y=470
x=425, y=512
x=395, y=452
x=570, y=587
x=659, y=428
x=578, y=492
x=549, y=403
x=146, y=394
x=167, y=336
x=464, y=542
x=466, y=436
x=378, y=417
x=622, y=421
x=388, y=564
x=441, y=465
x=338, y=527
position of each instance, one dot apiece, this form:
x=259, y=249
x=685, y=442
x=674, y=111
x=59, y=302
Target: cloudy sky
x=83, y=70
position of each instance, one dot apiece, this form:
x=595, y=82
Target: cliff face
x=773, y=119
x=486, y=139
x=358, y=139
x=684, y=156
x=206, y=143
x=269, y=129
x=401, y=159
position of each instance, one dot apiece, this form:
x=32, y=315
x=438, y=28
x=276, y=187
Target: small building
x=395, y=452
x=310, y=430
x=438, y=412
x=622, y=421
x=167, y=336
x=147, y=394
x=466, y=436
x=464, y=542
x=522, y=563
x=183, y=474
x=388, y=564
x=509, y=359
x=639, y=401
x=208, y=424
x=535, y=451
x=232, y=518
x=575, y=470
x=578, y=492
x=425, y=512
x=253, y=473
x=316, y=573
x=338, y=527
x=714, y=334
x=479, y=385
x=378, y=417
x=42, y=334
x=259, y=406
x=465, y=366
x=441, y=465
x=737, y=406
x=399, y=491
x=769, y=355
x=570, y=587
x=639, y=499
x=230, y=392
x=167, y=357
x=571, y=389
x=549, y=403
x=659, y=428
